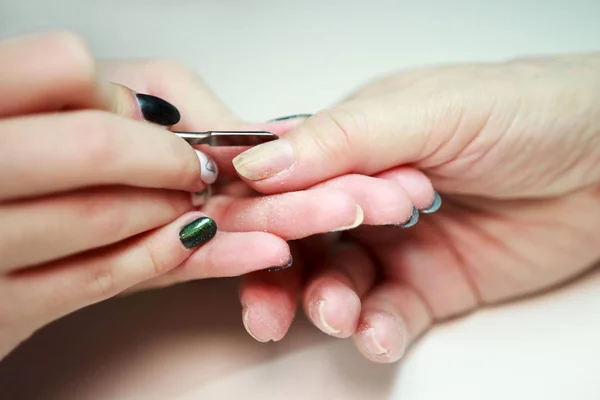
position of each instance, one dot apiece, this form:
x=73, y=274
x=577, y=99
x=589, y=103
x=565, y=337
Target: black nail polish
x=289, y=264
x=198, y=232
x=290, y=117
x=157, y=110
x=435, y=205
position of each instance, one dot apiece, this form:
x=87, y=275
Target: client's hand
x=514, y=149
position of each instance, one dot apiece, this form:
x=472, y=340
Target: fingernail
x=198, y=232
x=245, y=316
x=357, y=221
x=208, y=168
x=435, y=205
x=201, y=198
x=265, y=160
x=370, y=342
x=414, y=218
x=279, y=268
x=317, y=313
x=157, y=110
x=290, y=117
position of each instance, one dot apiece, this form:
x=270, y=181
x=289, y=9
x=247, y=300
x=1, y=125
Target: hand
x=94, y=200
x=514, y=150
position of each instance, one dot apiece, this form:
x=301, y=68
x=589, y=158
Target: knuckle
x=156, y=265
x=337, y=133
x=101, y=284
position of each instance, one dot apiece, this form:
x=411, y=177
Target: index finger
x=56, y=72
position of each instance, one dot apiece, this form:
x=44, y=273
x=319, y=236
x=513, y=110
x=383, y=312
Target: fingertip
x=416, y=183
x=268, y=307
x=382, y=337
x=335, y=311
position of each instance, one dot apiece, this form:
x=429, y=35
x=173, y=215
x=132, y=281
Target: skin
x=93, y=207
x=514, y=149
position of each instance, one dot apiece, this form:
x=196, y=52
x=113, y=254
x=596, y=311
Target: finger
x=383, y=201
x=199, y=108
x=365, y=137
x=51, y=291
x=393, y=315
x=49, y=72
x=417, y=185
x=332, y=296
x=65, y=151
x=269, y=301
x=290, y=215
x=94, y=218
x=57, y=71
x=230, y=254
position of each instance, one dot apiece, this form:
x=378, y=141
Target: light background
x=271, y=58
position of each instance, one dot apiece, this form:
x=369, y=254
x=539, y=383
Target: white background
x=271, y=58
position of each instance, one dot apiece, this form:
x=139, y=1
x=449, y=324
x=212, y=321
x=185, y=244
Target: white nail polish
x=316, y=311
x=208, y=168
x=357, y=221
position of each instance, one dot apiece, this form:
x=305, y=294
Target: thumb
x=364, y=137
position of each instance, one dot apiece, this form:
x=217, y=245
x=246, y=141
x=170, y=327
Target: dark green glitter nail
x=198, y=232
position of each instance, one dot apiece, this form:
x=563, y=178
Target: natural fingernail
x=370, y=342
x=317, y=314
x=208, y=168
x=281, y=267
x=435, y=205
x=198, y=232
x=201, y=198
x=294, y=116
x=265, y=160
x=357, y=221
x=158, y=111
x=245, y=319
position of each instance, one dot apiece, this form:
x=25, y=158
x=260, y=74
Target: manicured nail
x=317, y=313
x=290, y=117
x=357, y=221
x=201, y=198
x=208, y=168
x=265, y=160
x=435, y=205
x=157, y=110
x=279, y=268
x=414, y=218
x=198, y=232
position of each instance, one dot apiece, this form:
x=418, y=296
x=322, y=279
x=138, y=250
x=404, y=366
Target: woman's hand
x=337, y=205
x=514, y=149
x=93, y=199
x=96, y=201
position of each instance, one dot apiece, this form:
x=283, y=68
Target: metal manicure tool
x=227, y=138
